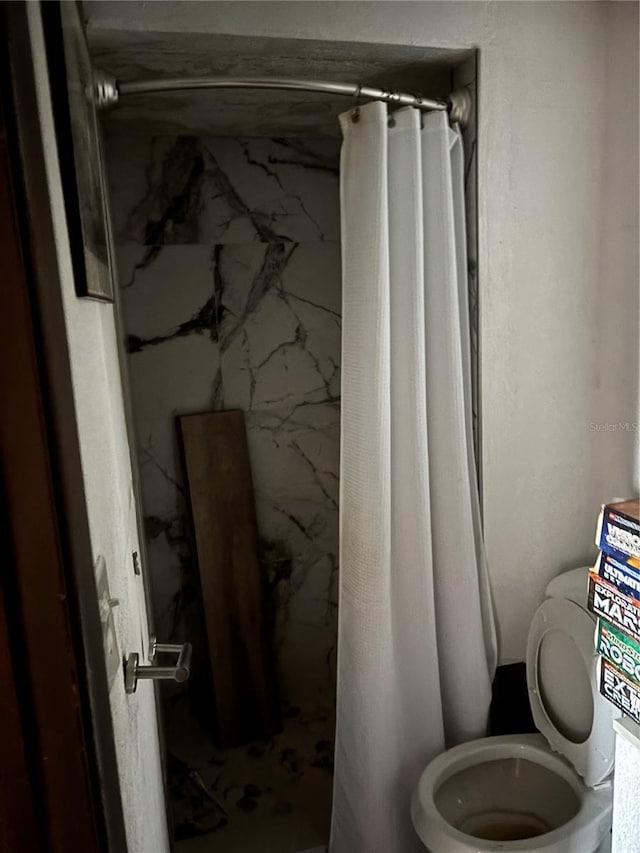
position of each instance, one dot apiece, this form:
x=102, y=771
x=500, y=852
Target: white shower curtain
x=416, y=644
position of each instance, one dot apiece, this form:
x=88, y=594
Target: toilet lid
x=565, y=702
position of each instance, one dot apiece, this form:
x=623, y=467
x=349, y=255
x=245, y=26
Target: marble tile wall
x=229, y=259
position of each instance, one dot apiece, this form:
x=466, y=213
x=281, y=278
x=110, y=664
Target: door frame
x=55, y=632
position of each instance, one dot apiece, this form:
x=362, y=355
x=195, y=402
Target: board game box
x=607, y=602
x=619, y=649
x=619, y=690
x=618, y=530
x=620, y=573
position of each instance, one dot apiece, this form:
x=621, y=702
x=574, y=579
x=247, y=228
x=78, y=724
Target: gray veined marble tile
x=239, y=270
x=130, y=258
x=224, y=190
x=128, y=158
x=229, y=266
x=160, y=468
x=280, y=347
x=163, y=550
x=297, y=467
x=245, y=276
x=269, y=190
x=296, y=475
x=313, y=277
x=171, y=296
x=177, y=377
x=168, y=210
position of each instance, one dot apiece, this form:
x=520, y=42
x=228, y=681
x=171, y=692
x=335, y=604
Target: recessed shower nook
x=226, y=224
x=321, y=395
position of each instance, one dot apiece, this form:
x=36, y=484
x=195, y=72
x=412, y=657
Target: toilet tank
x=571, y=585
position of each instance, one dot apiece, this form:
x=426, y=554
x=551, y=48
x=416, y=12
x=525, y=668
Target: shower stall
x=225, y=205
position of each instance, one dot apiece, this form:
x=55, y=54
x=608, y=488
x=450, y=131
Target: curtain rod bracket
x=460, y=107
x=105, y=90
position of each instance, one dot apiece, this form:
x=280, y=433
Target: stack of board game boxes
x=614, y=597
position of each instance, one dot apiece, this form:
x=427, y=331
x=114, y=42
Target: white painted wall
x=111, y=509
x=620, y=242
x=558, y=265
x=626, y=796
x=619, y=276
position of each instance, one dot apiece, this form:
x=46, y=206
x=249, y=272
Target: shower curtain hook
x=418, y=97
x=390, y=98
x=355, y=115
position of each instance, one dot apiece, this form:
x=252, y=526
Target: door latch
x=180, y=672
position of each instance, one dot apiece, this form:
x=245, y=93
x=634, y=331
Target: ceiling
x=137, y=56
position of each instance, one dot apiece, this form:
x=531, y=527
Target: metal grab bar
x=180, y=672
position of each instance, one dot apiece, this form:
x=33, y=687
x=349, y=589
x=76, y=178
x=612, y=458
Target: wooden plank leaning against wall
x=220, y=487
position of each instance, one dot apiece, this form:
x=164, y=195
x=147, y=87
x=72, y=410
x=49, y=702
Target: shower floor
x=270, y=796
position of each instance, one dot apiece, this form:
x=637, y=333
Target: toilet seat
x=583, y=833
x=553, y=693
x=478, y=791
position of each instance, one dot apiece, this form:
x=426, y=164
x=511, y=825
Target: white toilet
x=548, y=792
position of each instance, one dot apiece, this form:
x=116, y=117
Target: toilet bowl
x=548, y=792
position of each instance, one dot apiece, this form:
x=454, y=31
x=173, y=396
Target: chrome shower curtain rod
x=110, y=91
